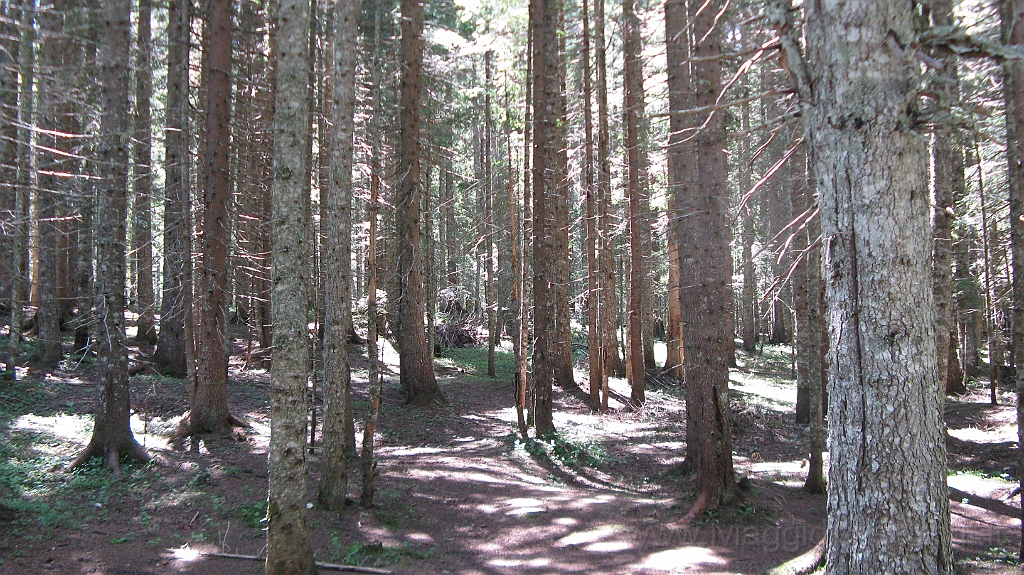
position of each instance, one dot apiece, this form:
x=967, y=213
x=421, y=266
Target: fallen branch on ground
x=328, y=566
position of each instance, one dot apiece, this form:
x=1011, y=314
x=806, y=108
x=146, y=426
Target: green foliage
x=253, y=514
x=376, y=554
x=474, y=361
x=569, y=452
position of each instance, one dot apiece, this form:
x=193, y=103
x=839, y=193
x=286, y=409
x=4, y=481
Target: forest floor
x=458, y=492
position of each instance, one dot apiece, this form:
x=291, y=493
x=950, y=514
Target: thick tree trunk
x=871, y=167
x=337, y=259
x=142, y=235
x=112, y=435
x=209, y=402
x=177, y=291
x=288, y=546
x=636, y=189
x=703, y=238
x=489, y=257
x=416, y=361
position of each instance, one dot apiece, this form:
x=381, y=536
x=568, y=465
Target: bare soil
x=458, y=492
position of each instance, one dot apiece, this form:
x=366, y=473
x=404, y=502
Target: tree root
x=184, y=428
x=802, y=564
x=703, y=503
x=112, y=454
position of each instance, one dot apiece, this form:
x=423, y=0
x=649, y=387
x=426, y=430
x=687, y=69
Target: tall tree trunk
x=636, y=188
x=112, y=435
x=705, y=278
x=748, y=315
x=142, y=235
x=9, y=38
x=288, y=546
x=943, y=181
x=871, y=166
x=547, y=184
x=593, y=274
x=372, y=351
x=492, y=303
x=337, y=258
x=416, y=361
x=209, y=402
x=177, y=291
x=1013, y=34
x=20, y=230
x=54, y=154
x=801, y=293
x=613, y=362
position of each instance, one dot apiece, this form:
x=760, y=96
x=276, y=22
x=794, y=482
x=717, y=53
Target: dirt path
x=457, y=491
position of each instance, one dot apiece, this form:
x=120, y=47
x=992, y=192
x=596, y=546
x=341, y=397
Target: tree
x=1013, y=34
x=208, y=400
x=337, y=259
x=288, y=547
x=176, y=299
x=112, y=436
x=548, y=160
x=597, y=371
x=633, y=84
x=142, y=234
x=871, y=170
x=416, y=361
x=705, y=274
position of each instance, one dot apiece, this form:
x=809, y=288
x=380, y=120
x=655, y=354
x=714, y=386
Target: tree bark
x=871, y=168
x=416, y=361
x=288, y=547
x=208, y=411
x=547, y=185
x=142, y=235
x=594, y=311
x=177, y=291
x=1013, y=34
x=112, y=435
x=337, y=258
x=636, y=190
x=703, y=239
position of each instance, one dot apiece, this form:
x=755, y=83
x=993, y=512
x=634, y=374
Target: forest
x=486, y=286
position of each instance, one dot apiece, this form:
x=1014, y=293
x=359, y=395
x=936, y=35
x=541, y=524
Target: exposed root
x=704, y=502
x=802, y=564
x=185, y=430
x=112, y=453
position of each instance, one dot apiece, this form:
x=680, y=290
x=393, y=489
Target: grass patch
x=474, y=361
x=376, y=554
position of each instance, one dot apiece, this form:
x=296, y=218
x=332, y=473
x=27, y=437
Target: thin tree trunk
x=492, y=324
x=636, y=186
x=288, y=545
x=142, y=237
x=336, y=223
x=372, y=352
x=26, y=117
x=593, y=293
x=176, y=297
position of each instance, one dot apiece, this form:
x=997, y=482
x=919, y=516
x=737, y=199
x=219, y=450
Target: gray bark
x=337, y=260
x=885, y=515
x=288, y=546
